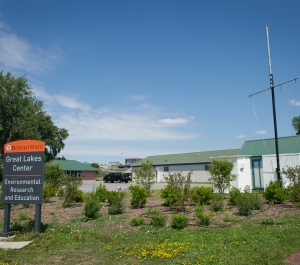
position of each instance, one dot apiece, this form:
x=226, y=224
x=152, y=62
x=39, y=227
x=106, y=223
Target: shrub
x=202, y=195
x=102, y=193
x=295, y=193
x=178, y=190
x=71, y=192
x=217, y=203
x=53, y=175
x=179, y=221
x=255, y=201
x=234, y=194
x=78, y=195
x=139, y=196
x=170, y=197
x=49, y=191
x=244, y=205
x=274, y=192
x=158, y=219
x=220, y=171
x=137, y=221
x=146, y=175
x=91, y=206
x=115, y=201
x=203, y=219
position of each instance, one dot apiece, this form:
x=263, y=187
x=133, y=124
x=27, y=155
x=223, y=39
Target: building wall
x=199, y=174
x=88, y=175
x=242, y=168
x=268, y=169
x=269, y=166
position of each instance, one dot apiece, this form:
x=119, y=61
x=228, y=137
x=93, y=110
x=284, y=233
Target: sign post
x=23, y=178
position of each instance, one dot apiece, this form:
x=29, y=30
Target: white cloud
x=175, y=122
x=294, y=102
x=65, y=101
x=106, y=124
x=260, y=132
x=113, y=125
x=40, y=92
x=70, y=103
x=86, y=124
x=138, y=97
x=18, y=54
x=240, y=136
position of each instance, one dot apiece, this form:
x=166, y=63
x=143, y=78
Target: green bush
x=178, y=190
x=256, y=201
x=202, y=195
x=139, y=196
x=244, y=205
x=179, y=221
x=53, y=175
x=203, y=219
x=91, y=206
x=217, y=202
x=49, y=192
x=234, y=194
x=158, y=219
x=102, y=193
x=247, y=202
x=274, y=192
x=115, y=201
x=137, y=221
x=170, y=197
x=71, y=193
x=293, y=192
x=78, y=195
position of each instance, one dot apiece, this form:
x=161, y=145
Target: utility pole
x=273, y=104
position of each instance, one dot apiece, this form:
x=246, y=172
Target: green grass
x=249, y=243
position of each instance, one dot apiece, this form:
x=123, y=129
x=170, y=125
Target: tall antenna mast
x=273, y=105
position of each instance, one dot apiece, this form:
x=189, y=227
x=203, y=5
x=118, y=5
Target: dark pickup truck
x=117, y=176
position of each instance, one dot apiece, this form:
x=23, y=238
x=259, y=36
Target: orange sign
x=24, y=146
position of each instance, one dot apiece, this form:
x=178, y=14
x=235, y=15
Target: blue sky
x=137, y=78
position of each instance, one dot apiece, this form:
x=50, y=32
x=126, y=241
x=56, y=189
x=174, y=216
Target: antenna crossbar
x=294, y=79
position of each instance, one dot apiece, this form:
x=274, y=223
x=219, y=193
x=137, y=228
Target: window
x=166, y=169
x=206, y=167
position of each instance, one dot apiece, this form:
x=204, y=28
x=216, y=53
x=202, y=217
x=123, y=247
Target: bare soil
x=54, y=211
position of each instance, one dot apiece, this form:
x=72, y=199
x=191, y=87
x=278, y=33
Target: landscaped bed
x=266, y=236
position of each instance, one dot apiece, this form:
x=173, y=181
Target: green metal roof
x=72, y=165
x=286, y=145
x=187, y=158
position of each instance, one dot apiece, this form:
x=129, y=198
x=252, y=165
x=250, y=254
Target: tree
x=53, y=175
x=96, y=165
x=146, y=175
x=60, y=158
x=296, y=124
x=22, y=117
x=221, y=176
